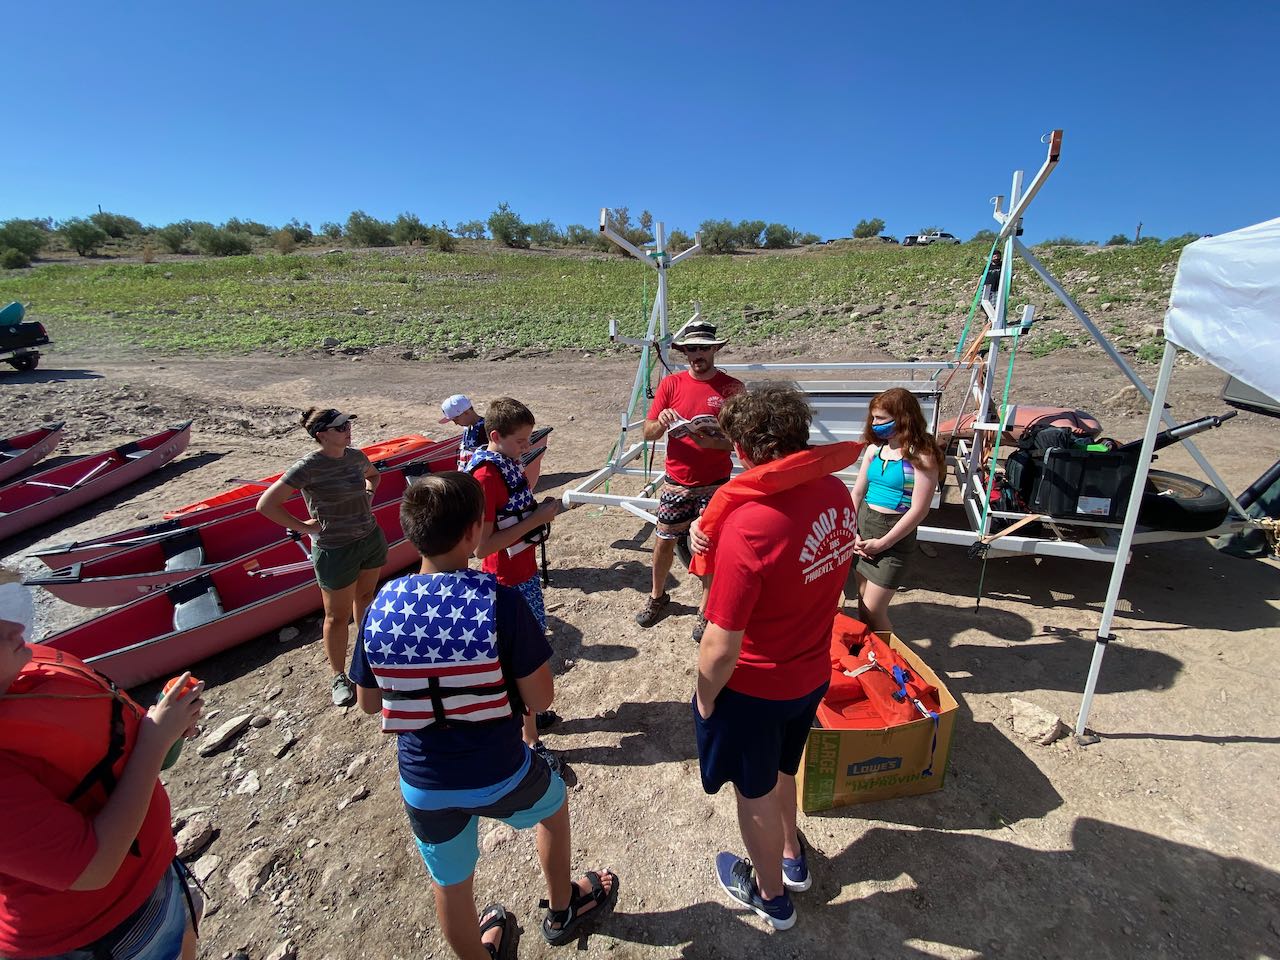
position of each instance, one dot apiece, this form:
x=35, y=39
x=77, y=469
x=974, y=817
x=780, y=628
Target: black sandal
x=571, y=917
x=501, y=919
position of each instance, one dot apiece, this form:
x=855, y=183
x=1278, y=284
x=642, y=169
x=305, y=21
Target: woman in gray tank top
x=348, y=548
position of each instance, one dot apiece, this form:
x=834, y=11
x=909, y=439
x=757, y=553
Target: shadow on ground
x=1116, y=892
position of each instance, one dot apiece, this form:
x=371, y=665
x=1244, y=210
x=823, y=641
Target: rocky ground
x=1158, y=841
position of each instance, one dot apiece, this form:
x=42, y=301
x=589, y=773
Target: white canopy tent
x=1225, y=308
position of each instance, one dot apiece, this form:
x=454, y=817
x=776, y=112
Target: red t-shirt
x=781, y=564
x=510, y=571
x=687, y=463
x=47, y=845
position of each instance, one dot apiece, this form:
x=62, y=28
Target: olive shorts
x=888, y=569
x=339, y=567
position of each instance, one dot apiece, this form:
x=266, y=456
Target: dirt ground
x=1158, y=841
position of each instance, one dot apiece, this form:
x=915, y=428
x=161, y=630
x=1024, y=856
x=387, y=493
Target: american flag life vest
x=520, y=502
x=431, y=641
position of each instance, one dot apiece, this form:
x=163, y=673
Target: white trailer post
x=657, y=338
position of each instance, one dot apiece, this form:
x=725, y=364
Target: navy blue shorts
x=748, y=741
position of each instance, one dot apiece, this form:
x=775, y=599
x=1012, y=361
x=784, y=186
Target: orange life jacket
x=69, y=725
x=766, y=479
x=872, y=686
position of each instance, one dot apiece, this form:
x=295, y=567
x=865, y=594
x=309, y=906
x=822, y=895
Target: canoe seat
x=198, y=610
x=132, y=451
x=185, y=552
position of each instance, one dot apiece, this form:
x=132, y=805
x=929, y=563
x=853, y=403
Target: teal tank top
x=890, y=483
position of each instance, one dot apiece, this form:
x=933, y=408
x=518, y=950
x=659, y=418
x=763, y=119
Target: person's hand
x=548, y=509
x=310, y=528
x=699, y=543
x=174, y=716
x=704, y=711
x=869, y=548
x=669, y=416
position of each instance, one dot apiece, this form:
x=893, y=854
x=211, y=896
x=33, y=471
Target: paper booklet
x=703, y=425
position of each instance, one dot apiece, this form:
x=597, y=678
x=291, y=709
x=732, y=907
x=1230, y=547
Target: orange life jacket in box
x=70, y=725
x=871, y=684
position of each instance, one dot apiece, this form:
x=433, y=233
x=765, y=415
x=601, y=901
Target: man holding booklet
x=698, y=453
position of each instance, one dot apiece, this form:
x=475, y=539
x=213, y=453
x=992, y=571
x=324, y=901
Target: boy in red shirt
x=781, y=561
x=696, y=465
x=512, y=520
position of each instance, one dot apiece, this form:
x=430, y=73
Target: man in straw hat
x=697, y=462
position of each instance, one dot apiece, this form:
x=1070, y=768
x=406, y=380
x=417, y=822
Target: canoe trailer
x=841, y=405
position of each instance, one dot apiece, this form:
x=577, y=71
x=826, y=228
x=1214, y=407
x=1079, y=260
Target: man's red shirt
x=687, y=463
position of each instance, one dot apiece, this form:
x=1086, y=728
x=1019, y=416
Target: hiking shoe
x=795, y=871
x=736, y=877
x=549, y=758
x=344, y=692
x=700, y=628
x=652, y=611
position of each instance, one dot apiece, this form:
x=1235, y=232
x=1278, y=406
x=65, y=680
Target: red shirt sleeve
x=661, y=399
x=56, y=841
x=495, y=492
x=736, y=585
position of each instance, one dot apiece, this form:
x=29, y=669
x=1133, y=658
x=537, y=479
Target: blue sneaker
x=736, y=876
x=795, y=871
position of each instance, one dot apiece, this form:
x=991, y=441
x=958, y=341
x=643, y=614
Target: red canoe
x=413, y=443
x=52, y=493
x=156, y=562
x=18, y=453
x=438, y=456
x=170, y=630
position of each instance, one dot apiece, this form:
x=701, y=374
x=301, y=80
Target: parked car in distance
x=910, y=240
x=927, y=238
x=885, y=238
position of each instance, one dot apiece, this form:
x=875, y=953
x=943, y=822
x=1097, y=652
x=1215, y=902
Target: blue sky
x=812, y=114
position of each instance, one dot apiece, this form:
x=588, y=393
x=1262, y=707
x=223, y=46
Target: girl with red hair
x=894, y=490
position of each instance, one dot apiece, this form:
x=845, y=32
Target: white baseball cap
x=455, y=406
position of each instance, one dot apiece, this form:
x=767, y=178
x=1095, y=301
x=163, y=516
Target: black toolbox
x=1084, y=484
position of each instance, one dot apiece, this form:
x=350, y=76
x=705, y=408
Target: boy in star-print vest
x=450, y=657
x=510, y=515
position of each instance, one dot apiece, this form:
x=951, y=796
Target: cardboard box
x=857, y=766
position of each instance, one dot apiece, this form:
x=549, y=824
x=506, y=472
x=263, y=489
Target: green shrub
x=331, y=230
x=545, y=233
x=1181, y=240
x=868, y=228
x=507, y=228
x=284, y=241
x=12, y=259
x=1147, y=242
x=749, y=233
x=174, y=237
x=26, y=236
x=439, y=238
x=220, y=242
x=1151, y=352
x=366, y=231
x=987, y=237
x=83, y=236
x=116, y=225
x=1062, y=242
x=678, y=240
x=719, y=236
x=777, y=236
x=250, y=228
x=407, y=229
x=804, y=239
x=1118, y=240
x=471, y=230
x=301, y=231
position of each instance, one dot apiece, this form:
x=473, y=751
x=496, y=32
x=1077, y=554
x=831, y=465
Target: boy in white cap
x=458, y=409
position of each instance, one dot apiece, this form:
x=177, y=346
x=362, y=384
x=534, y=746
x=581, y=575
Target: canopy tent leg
x=1126, y=534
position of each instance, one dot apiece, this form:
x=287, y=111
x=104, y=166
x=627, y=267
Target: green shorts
x=339, y=567
x=890, y=568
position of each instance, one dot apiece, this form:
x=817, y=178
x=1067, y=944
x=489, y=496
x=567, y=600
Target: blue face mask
x=883, y=430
